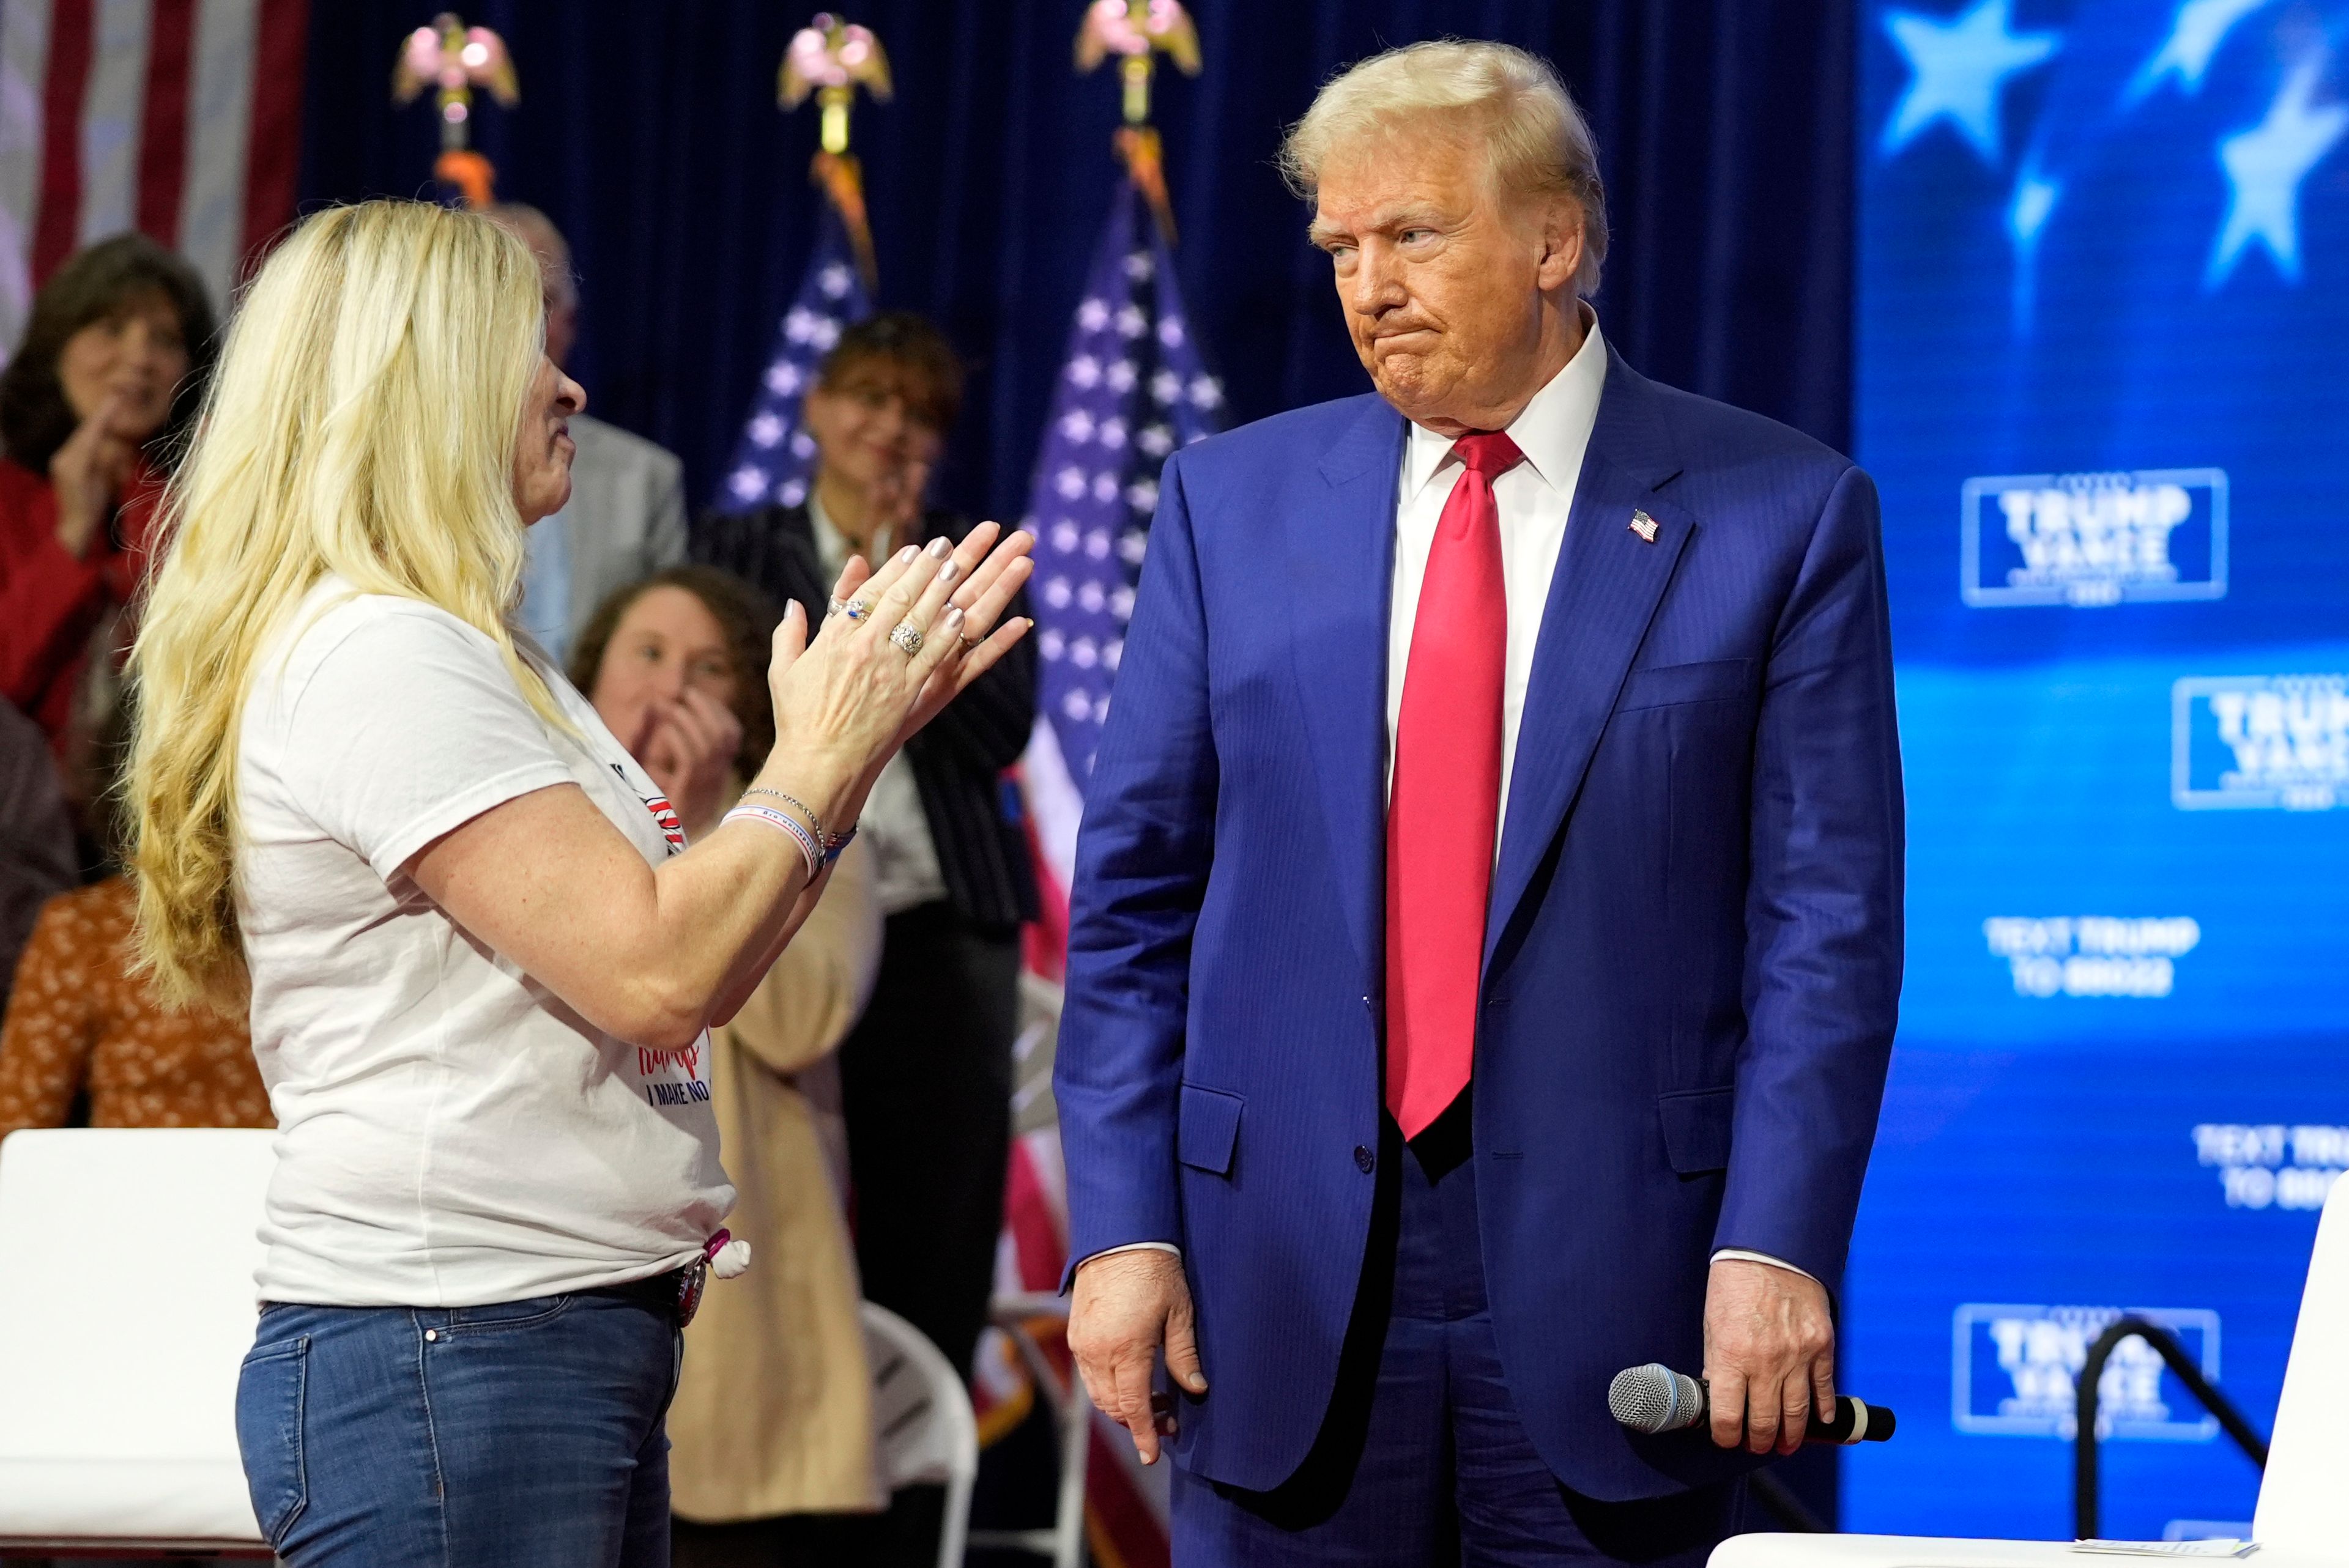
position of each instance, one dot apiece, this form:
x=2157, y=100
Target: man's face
x=1440, y=277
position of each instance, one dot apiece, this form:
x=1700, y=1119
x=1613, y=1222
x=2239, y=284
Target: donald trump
x=1486, y=934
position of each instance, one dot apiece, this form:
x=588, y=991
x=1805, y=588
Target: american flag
x=773, y=459
x=181, y=119
x=1133, y=389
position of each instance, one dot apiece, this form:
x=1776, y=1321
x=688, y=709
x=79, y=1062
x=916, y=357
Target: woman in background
x=113, y=365
x=78, y=1020
x=772, y=1428
x=928, y=1070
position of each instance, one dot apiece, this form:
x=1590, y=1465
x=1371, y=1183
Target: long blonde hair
x=362, y=421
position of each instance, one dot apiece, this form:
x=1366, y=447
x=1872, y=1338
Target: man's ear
x=1561, y=238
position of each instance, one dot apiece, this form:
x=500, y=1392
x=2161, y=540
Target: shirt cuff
x=1739, y=1254
x=1131, y=1247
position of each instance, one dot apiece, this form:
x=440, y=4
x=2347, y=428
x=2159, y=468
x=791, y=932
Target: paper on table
x=2221, y=1548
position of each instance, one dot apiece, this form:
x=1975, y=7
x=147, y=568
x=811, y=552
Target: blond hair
x=362, y=422
x=1536, y=140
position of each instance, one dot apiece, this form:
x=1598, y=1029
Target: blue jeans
x=524, y=1435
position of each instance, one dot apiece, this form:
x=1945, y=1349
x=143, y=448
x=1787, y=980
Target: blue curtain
x=651, y=136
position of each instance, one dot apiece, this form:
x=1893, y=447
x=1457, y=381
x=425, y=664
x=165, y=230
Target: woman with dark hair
x=105, y=380
x=772, y=1425
x=927, y=1071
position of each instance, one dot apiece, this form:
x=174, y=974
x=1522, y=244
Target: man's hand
x=1124, y=1306
x=1769, y=1355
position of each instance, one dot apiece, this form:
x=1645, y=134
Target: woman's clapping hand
x=847, y=698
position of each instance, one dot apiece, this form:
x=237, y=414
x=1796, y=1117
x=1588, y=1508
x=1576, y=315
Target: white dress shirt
x=1533, y=501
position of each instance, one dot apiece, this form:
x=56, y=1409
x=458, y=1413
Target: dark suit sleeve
x=1141, y=873
x=1823, y=913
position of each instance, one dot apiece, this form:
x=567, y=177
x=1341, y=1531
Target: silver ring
x=856, y=608
x=908, y=637
x=833, y=608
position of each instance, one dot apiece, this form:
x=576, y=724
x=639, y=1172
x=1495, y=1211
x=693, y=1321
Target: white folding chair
x=2303, y=1510
x=127, y=1301
x=1064, y=1542
x=922, y=1420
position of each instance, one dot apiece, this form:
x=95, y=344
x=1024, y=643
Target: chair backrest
x=2303, y=1501
x=922, y=1420
x=126, y=1293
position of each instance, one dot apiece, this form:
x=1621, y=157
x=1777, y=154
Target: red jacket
x=50, y=599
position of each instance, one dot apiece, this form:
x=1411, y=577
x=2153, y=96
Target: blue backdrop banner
x=2103, y=308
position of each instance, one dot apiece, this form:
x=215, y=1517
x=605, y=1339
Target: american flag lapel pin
x=1644, y=526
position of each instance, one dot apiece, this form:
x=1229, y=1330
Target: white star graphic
x=833, y=281
x=1130, y=321
x=1958, y=70
x=1139, y=266
x=2266, y=164
x=1077, y=424
x=1092, y=313
x=1121, y=376
x=782, y=378
x=766, y=429
x=2195, y=34
x=1084, y=370
x=749, y=483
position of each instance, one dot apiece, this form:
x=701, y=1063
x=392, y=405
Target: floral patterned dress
x=78, y=1019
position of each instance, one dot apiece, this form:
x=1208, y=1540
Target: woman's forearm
x=649, y=954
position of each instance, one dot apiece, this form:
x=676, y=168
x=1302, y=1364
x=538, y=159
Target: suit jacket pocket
x=1696, y=1129
x=1208, y=1129
x=1710, y=680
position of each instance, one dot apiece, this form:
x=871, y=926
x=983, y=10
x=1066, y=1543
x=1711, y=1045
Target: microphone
x=1655, y=1399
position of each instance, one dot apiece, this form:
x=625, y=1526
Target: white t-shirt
x=450, y=1132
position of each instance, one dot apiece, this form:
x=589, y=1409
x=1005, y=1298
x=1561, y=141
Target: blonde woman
x=479, y=959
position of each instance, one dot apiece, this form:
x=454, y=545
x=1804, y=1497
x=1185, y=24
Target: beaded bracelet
x=783, y=822
x=833, y=843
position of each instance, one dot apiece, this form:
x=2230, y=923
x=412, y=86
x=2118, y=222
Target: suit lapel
x=1609, y=581
x=1340, y=559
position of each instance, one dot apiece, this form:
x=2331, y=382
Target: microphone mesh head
x=1641, y=1397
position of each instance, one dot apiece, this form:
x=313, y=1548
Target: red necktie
x=1443, y=812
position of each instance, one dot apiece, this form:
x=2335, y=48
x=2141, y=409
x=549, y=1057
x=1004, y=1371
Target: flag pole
x=448, y=55
x=829, y=58
x=1137, y=31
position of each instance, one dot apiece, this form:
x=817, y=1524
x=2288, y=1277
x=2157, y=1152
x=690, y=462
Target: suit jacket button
x=1363, y=1160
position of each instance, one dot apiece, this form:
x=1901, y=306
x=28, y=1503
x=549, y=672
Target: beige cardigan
x=773, y=1412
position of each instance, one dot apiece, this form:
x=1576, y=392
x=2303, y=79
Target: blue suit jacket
x=1693, y=957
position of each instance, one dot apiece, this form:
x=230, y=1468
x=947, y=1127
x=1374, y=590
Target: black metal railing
x=2084, y=1501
